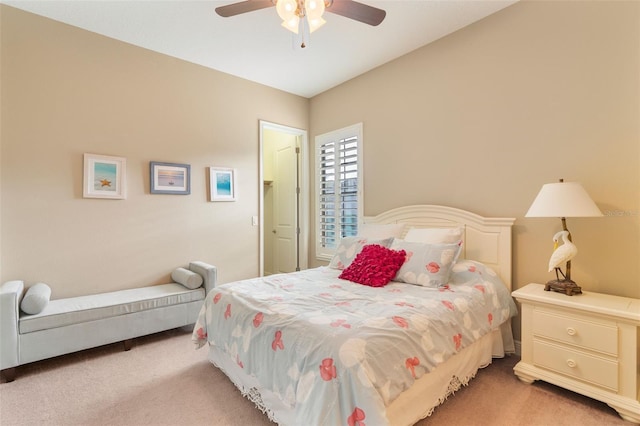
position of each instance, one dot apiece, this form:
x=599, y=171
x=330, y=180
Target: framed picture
x=104, y=177
x=170, y=178
x=222, y=184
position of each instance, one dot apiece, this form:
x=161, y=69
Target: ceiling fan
x=292, y=12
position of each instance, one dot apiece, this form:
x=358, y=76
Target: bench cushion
x=74, y=310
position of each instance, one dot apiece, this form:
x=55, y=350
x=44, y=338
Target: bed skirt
x=431, y=390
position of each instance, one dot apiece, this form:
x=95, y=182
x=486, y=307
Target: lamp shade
x=563, y=199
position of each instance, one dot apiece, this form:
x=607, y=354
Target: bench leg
x=128, y=344
x=9, y=374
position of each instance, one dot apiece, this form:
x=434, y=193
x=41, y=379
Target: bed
x=312, y=348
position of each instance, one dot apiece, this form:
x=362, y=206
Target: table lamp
x=563, y=199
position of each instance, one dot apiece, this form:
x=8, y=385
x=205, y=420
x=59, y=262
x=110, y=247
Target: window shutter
x=338, y=188
x=326, y=206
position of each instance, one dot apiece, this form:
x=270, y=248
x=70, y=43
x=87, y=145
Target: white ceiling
x=254, y=46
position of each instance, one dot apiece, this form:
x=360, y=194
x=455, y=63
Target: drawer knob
x=571, y=363
x=571, y=331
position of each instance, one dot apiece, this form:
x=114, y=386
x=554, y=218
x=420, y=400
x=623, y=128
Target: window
x=338, y=187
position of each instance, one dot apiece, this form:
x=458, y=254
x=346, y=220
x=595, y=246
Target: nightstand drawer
x=576, y=364
x=601, y=336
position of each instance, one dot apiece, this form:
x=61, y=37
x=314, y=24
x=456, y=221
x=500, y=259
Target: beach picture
x=222, y=184
x=104, y=177
x=169, y=178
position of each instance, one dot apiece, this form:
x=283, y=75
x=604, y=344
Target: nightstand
x=587, y=343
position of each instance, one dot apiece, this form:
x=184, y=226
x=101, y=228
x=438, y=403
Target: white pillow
x=380, y=231
x=434, y=235
x=36, y=299
x=187, y=278
x=349, y=248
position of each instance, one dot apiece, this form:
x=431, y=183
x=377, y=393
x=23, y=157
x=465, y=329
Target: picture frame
x=104, y=177
x=169, y=178
x=222, y=184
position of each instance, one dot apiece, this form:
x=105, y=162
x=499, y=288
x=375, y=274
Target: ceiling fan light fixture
x=315, y=23
x=292, y=24
x=287, y=9
x=314, y=9
x=294, y=12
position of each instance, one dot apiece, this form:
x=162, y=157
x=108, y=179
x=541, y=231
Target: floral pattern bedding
x=338, y=352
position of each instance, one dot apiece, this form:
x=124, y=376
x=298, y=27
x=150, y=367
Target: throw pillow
x=428, y=265
x=374, y=266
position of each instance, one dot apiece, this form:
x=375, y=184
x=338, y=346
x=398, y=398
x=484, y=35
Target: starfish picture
x=105, y=182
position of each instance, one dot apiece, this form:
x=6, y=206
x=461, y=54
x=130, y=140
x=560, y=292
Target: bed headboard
x=486, y=239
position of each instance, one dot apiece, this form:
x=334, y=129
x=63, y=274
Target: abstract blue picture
x=222, y=184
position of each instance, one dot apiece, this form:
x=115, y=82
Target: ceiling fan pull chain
x=303, y=32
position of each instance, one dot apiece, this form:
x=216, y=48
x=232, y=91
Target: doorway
x=283, y=199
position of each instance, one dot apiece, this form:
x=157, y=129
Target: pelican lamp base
x=569, y=287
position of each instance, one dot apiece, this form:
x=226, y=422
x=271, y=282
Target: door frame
x=303, y=219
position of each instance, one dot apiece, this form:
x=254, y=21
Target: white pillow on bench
x=187, y=278
x=36, y=299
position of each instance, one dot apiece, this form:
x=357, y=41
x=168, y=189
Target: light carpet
x=163, y=380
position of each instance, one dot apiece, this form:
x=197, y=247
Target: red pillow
x=374, y=266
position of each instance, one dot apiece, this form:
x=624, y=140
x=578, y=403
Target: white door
x=285, y=204
x=277, y=186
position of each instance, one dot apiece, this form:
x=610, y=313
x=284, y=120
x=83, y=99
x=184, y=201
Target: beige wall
x=478, y=120
x=65, y=92
x=481, y=119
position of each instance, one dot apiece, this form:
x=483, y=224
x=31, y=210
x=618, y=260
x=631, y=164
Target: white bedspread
x=337, y=352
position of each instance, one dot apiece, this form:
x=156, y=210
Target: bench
x=78, y=323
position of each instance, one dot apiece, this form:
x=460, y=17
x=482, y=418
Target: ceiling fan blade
x=358, y=11
x=243, y=7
